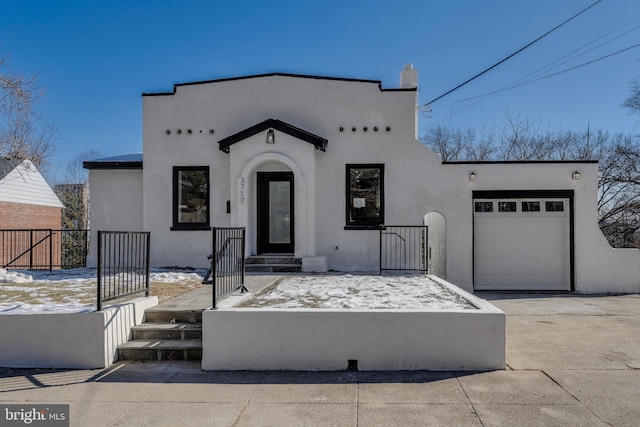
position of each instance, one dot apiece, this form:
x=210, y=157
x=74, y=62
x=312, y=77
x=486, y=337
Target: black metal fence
x=75, y=248
x=403, y=248
x=43, y=249
x=123, y=264
x=227, y=262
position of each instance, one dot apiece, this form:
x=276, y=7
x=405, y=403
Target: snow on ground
x=72, y=291
x=64, y=291
x=360, y=292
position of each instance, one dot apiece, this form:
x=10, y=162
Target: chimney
x=409, y=77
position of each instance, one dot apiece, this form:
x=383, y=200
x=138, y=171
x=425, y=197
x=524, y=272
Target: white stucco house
x=312, y=166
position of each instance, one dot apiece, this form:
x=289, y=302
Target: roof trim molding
x=302, y=76
x=319, y=142
x=129, y=161
x=111, y=165
x=518, y=162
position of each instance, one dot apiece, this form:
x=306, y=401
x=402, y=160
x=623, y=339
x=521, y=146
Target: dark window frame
x=480, y=206
x=530, y=206
x=363, y=225
x=502, y=206
x=176, y=202
x=549, y=203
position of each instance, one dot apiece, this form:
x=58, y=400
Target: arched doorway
x=436, y=244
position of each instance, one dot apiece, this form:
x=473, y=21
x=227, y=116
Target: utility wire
x=513, y=86
x=550, y=66
x=513, y=54
x=556, y=63
x=541, y=78
x=578, y=66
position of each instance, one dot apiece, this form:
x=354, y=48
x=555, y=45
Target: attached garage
x=523, y=240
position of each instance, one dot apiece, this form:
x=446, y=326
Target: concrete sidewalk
x=572, y=360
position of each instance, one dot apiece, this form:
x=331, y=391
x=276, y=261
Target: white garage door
x=521, y=244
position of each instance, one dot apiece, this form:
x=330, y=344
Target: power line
x=513, y=86
x=513, y=54
x=540, y=78
x=549, y=67
x=581, y=65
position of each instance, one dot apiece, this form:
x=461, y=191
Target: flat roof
x=125, y=161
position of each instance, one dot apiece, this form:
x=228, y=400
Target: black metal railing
x=226, y=273
x=123, y=265
x=403, y=248
x=43, y=249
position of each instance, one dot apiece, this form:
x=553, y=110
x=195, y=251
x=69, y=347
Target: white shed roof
x=24, y=184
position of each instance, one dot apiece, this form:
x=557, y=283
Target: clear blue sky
x=95, y=58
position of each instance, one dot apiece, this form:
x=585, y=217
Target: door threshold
x=274, y=255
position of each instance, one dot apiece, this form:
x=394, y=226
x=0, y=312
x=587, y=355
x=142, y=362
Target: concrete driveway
x=572, y=360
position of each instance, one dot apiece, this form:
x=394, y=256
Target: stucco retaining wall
x=69, y=340
x=326, y=339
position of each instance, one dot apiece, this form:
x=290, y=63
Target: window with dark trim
x=365, y=196
x=507, y=206
x=530, y=206
x=554, y=206
x=190, y=198
x=484, y=207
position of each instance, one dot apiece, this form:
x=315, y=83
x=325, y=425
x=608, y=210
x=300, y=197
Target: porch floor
x=202, y=298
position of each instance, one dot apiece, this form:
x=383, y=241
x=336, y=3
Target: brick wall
x=14, y=216
x=18, y=216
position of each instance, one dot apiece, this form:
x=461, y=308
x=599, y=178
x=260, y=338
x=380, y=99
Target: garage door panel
x=557, y=246
x=555, y=262
x=529, y=226
x=522, y=250
x=555, y=281
x=510, y=264
x=529, y=243
x=506, y=243
x=531, y=280
x=489, y=240
x=503, y=281
x=554, y=225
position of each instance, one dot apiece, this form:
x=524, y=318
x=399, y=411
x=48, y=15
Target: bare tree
x=633, y=100
x=23, y=132
x=73, y=192
x=619, y=192
x=450, y=144
x=484, y=148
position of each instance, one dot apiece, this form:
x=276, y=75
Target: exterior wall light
x=472, y=176
x=576, y=176
x=271, y=137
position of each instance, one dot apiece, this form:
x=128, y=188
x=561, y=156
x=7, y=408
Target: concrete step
x=167, y=331
x=273, y=268
x=159, y=315
x=161, y=350
x=272, y=259
x=273, y=264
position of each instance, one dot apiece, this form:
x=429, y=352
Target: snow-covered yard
x=74, y=290
x=67, y=291
x=360, y=291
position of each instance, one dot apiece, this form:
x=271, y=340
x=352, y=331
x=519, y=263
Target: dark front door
x=275, y=212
